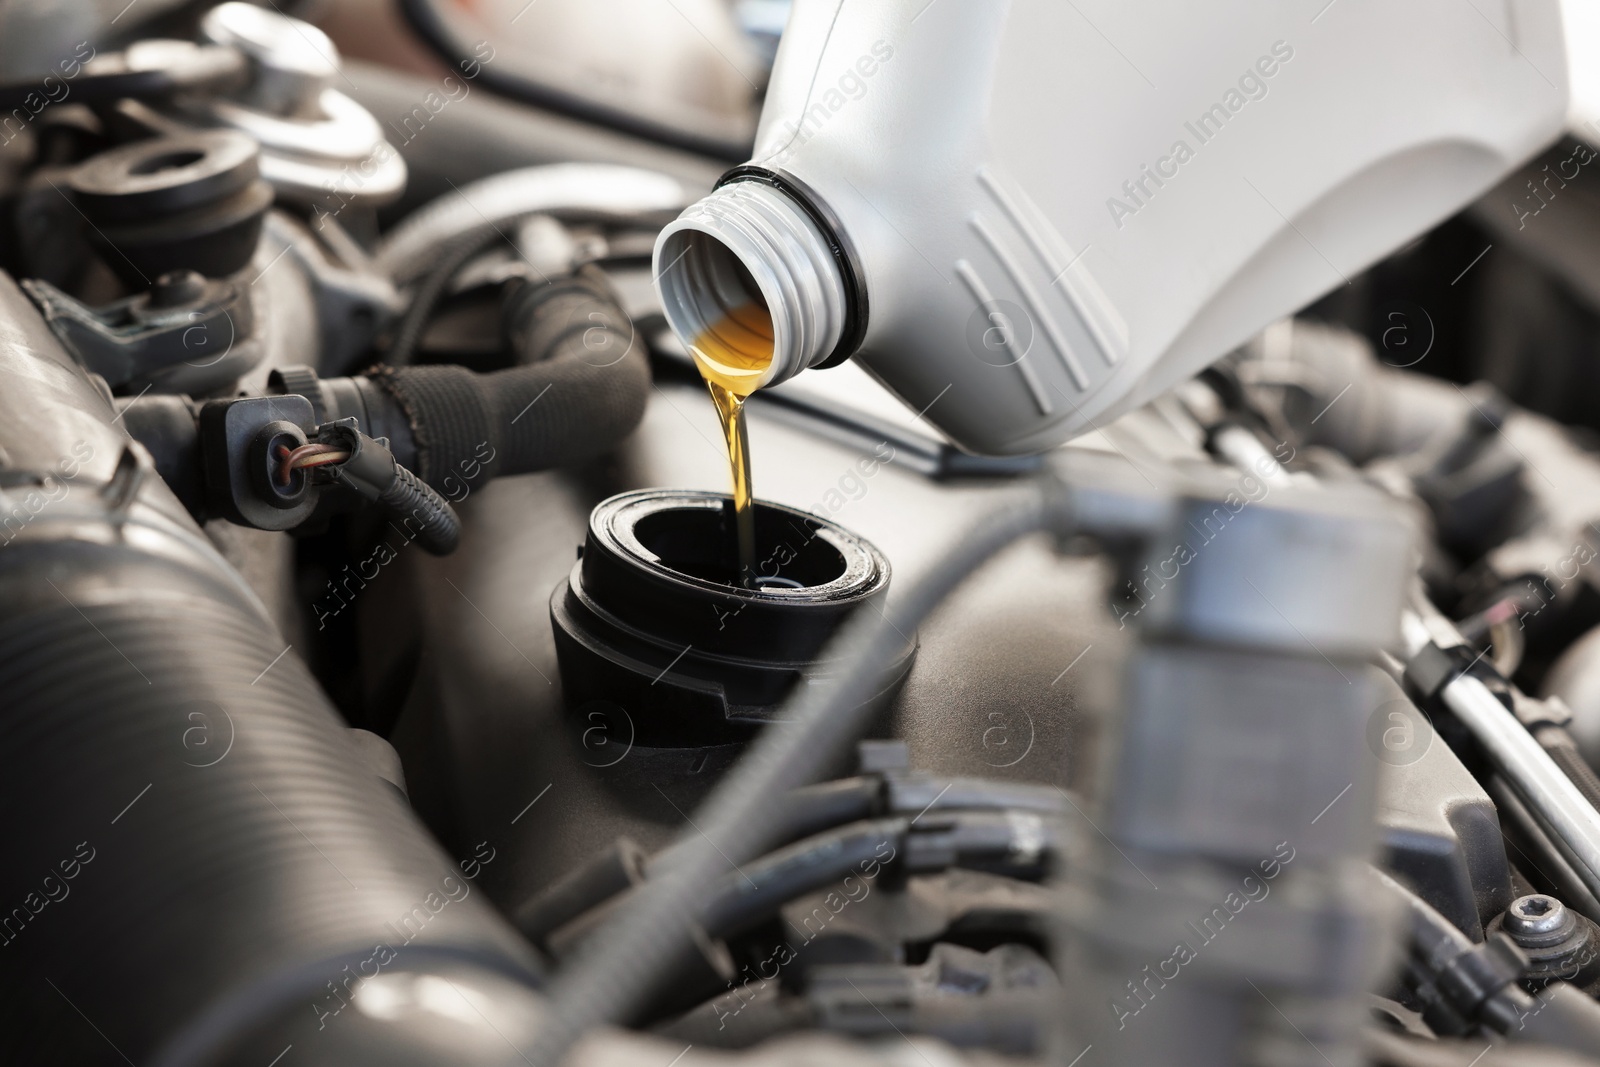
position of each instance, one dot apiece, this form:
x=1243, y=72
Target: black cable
x=1011, y=843
x=814, y=808
x=431, y=28
x=910, y=794
x=431, y=289
x=406, y=499
x=1017, y=844
x=628, y=958
x=622, y=864
x=617, y=867
x=757, y=890
x=986, y=840
x=809, y=810
x=372, y=472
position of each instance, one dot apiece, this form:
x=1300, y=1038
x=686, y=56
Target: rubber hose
x=1000, y=842
x=922, y=793
x=973, y=840
x=622, y=865
x=581, y=388
x=756, y=891
x=743, y=899
x=1387, y=412
x=430, y=290
x=606, y=193
x=617, y=867
x=809, y=810
x=195, y=853
x=1563, y=749
x=743, y=816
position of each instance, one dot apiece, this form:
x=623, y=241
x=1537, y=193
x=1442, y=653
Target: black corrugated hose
x=372, y=473
x=580, y=387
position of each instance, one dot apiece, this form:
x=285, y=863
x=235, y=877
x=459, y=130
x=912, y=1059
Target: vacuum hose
x=579, y=387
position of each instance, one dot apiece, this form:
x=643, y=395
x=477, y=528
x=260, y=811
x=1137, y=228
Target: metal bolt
x=1535, y=914
x=292, y=61
x=176, y=288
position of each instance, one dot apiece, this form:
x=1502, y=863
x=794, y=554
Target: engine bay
x=390, y=676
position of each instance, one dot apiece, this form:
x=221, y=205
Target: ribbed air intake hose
x=198, y=870
x=579, y=387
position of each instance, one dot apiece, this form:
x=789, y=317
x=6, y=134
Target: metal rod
x=1552, y=797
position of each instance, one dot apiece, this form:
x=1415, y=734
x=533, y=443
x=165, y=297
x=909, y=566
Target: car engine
x=389, y=677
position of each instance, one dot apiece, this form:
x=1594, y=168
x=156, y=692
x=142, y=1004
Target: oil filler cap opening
x=652, y=622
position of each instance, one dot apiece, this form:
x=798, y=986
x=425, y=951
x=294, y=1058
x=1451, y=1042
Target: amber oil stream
x=732, y=355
